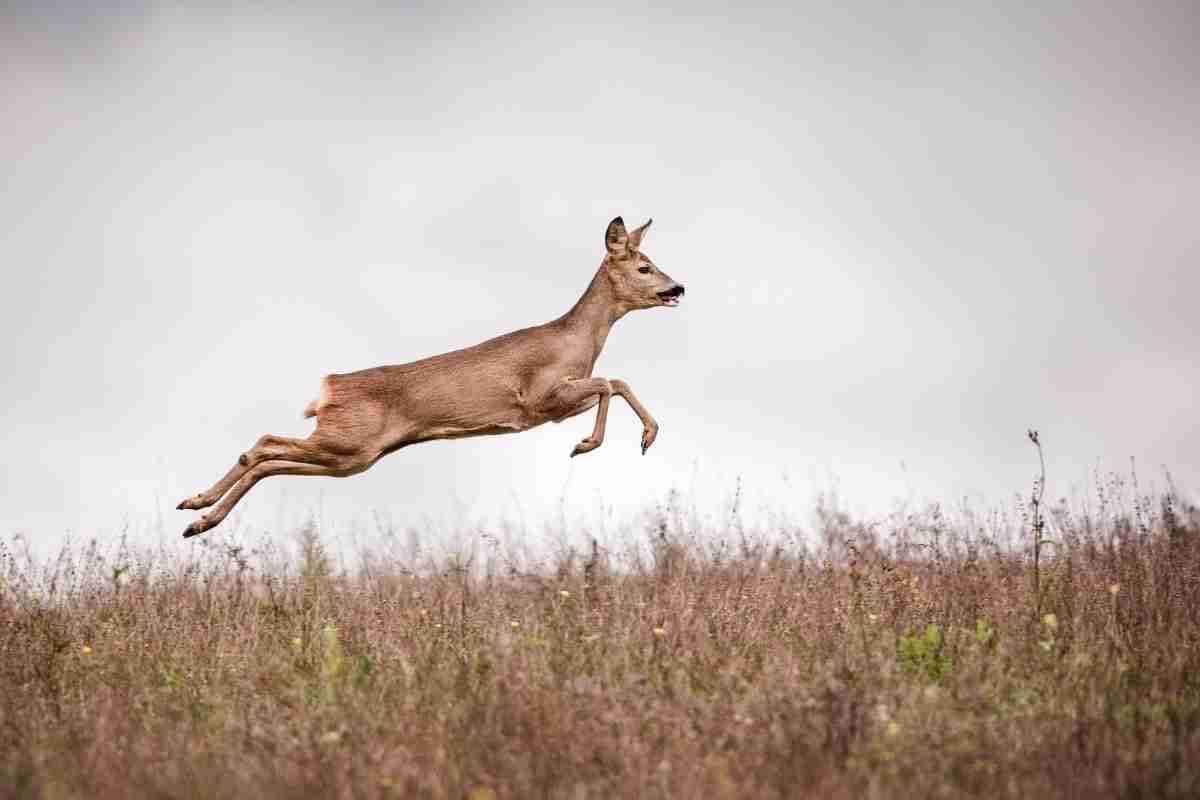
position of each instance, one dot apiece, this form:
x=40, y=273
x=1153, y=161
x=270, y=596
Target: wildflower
x=515, y=624
x=1050, y=621
x=1114, y=589
x=873, y=617
x=893, y=729
x=296, y=641
x=86, y=650
x=660, y=632
x=564, y=593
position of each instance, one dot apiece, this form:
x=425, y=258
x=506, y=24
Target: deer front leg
x=573, y=396
x=649, y=426
x=597, y=438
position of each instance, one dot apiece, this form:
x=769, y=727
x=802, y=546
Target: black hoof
x=191, y=530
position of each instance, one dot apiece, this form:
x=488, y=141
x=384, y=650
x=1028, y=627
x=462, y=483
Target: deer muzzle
x=670, y=297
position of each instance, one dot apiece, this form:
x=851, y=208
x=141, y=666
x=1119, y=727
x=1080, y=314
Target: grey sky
x=908, y=233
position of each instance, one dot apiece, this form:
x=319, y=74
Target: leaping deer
x=504, y=385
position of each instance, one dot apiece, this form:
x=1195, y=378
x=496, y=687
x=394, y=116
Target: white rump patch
x=312, y=408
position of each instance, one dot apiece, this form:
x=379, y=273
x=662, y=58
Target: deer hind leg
x=252, y=476
x=267, y=448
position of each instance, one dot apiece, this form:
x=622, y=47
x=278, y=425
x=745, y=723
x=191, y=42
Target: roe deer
x=511, y=383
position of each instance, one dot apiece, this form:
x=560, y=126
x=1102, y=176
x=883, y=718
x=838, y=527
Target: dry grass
x=904, y=658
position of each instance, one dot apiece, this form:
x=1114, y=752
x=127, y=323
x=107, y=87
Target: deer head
x=635, y=280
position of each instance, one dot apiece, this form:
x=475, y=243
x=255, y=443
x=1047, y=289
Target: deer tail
x=312, y=408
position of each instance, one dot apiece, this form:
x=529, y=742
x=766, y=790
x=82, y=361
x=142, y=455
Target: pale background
x=908, y=231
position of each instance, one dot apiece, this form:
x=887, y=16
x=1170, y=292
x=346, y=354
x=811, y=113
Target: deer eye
x=644, y=270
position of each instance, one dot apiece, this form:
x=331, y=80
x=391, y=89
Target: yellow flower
x=660, y=632
x=515, y=624
x=1050, y=621
x=1114, y=589
x=565, y=593
x=296, y=641
x=86, y=650
x=893, y=729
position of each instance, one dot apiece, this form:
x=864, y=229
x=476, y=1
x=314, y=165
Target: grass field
x=923, y=655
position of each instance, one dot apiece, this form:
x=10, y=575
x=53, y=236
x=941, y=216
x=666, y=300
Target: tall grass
x=917, y=656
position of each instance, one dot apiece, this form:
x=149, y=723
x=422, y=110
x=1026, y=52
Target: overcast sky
x=909, y=232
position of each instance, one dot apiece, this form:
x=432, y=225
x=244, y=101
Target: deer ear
x=635, y=237
x=616, y=239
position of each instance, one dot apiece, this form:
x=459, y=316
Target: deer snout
x=670, y=297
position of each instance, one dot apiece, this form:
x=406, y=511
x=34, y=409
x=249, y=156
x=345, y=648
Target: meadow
x=1050, y=649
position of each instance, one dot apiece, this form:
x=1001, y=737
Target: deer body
x=507, y=384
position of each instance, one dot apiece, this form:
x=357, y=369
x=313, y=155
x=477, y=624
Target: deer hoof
x=648, y=437
x=195, y=529
x=586, y=446
x=190, y=504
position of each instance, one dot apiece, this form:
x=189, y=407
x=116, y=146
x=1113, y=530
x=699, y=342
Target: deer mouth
x=671, y=296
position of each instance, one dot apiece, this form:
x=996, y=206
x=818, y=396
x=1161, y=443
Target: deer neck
x=594, y=314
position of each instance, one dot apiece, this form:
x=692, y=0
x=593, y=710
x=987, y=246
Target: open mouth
x=671, y=296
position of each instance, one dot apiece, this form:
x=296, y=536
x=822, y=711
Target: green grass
x=914, y=657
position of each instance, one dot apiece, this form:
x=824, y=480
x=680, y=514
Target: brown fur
x=508, y=384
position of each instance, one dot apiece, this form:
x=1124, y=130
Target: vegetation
x=920, y=655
